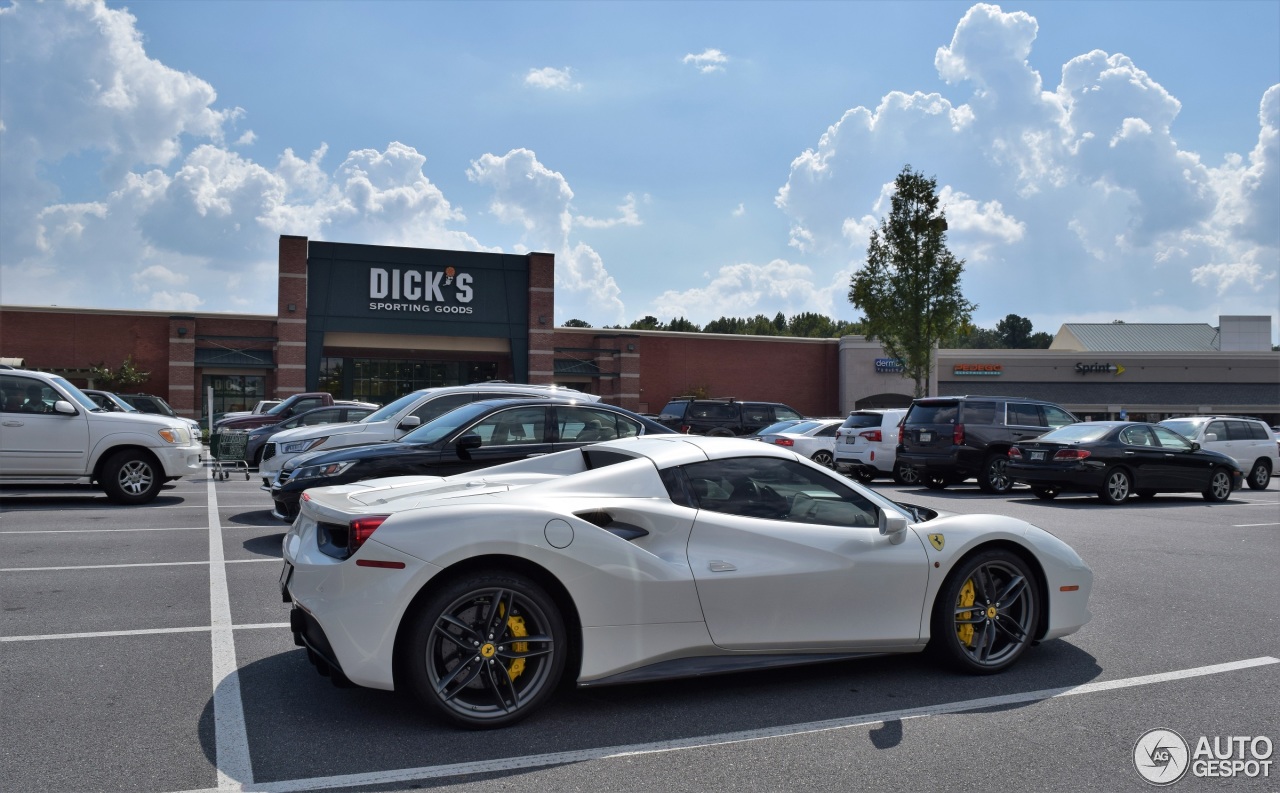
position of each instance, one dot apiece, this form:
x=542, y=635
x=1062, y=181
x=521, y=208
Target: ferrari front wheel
x=986, y=615
x=486, y=650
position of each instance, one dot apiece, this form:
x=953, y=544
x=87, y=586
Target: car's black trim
x=717, y=665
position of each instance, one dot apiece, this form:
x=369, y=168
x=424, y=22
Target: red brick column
x=291, y=318
x=542, y=307
x=182, y=365
x=629, y=373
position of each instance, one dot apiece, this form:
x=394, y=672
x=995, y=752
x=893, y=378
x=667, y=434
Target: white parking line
x=1251, y=525
x=97, y=531
x=140, y=632
x=211, y=563
x=561, y=758
x=231, y=738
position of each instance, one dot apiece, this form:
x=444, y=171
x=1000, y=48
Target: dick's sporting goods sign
x=444, y=291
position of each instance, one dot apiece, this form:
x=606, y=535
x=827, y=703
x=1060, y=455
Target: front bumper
x=181, y=460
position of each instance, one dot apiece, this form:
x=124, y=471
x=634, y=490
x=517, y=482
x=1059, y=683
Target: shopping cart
x=227, y=448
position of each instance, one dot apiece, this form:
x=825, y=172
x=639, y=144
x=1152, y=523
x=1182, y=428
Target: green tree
x=648, y=322
x=577, y=323
x=683, y=325
x=125, y=375
x=909, y=289
x=1014, y=332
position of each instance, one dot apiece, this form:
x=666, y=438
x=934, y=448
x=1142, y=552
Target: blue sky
x=1097, y=160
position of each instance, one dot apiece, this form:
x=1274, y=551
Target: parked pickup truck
x=298, y=403
x=53, y=433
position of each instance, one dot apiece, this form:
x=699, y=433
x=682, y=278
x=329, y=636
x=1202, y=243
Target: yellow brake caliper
x=967, y=596
x=516, y=626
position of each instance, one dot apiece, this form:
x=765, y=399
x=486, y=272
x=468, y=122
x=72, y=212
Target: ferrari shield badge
x=937, y=540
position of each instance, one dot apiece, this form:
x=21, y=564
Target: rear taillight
x=902, y=431
x=784, y=442
x=1015, y=453
x=685, y=428
x=957, y=435
x=1071, y=454
x=871, y=435
x=362, y=529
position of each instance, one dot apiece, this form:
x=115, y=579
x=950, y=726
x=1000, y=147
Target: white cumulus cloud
x=550, y=78
x=707, y=61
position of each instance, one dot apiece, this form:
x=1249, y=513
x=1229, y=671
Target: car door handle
x=1130, y=452
x=717, y=566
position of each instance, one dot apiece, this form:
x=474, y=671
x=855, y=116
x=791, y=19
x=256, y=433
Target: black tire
x=823, y=458
x=719, y=432
x=475, y=619
x=1116, y=487
x=1002, y=621
x=1260, y=475
x=905, y=475
x=1145, y=495
x=863, y=475
x=994, y=477
x=1219, y=486
x=935, y=481
x=1045, y=493
x=131, y=477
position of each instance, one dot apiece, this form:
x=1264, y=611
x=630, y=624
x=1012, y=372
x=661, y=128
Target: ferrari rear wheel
x=986, y=615
x=486, y=650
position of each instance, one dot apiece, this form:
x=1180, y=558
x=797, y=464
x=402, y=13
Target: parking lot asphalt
x=147, y=649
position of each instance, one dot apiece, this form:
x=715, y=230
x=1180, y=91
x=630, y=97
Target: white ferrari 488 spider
x=650, y=558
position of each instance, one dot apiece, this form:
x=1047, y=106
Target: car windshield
x=802, y=427
x=441, y=426
x=85, y=401
x=858, y=421
x=1184, y=427
x=391, y=409
x=120, y=403
x=1076, y=433
x=778, y=427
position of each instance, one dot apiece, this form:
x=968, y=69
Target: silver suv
x=394, y=420
x=1248, y=441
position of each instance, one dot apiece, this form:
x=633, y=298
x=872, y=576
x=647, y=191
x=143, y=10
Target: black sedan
x=1119, y=459
x=476, y=435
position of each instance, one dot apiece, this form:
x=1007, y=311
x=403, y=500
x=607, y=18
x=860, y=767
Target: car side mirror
x=1195, y=446
x=1211, y=436
x=408, y=423
x=466, y=443
x=893, y=526
x=64, y=407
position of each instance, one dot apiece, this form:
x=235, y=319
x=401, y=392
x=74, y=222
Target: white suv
x=53, y=433
x=867, y=443
x=394, y=420
x=1248, y=441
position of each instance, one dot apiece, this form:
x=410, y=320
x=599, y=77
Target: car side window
x=783, y=413
x=1022, y=414
x=588, y=425
x=441, y=405
x=1218, y=429
x=1136, y=436
x=775, y=489
x=715, y=411
x=756, y=414
x=1057, y=417
x=515, y=427
x=1238, y=431
x=355, y=414
x=980, y=412
x=13, y=392
x=827, y=432
x=1171, y=440
x=320, y=417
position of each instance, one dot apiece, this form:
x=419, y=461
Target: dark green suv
x=722, y=416
x=953, y=438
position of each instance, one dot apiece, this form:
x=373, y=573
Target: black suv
x=950, y=439
x=722, y=417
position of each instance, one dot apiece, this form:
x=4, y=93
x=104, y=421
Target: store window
x=331, y=376
x=233, y=392
x=384, y=381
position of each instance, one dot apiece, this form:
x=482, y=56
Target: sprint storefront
x=373, y=322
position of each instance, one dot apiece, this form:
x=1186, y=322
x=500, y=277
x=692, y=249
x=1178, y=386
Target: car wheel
x=719, y=432
x=995, y=475
x=1145, y=495
x=1118, y=486
x=1260, y=476
x=905, y=475
x=863, y=475
x=131, y=477
x=1219, y=486
x=1045, y=493
x=486, y=650
x=935, y=481
x=823, y=458
x=985, y=615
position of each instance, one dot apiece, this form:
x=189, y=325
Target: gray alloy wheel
x=1047, y=493
x=995, y=475
x=905, y=475
x=1219, y=486
x=1260, y=476
x=823, y=458
x=986, y=614
x=131, y=477
x=1118, y=487
x=486, y=650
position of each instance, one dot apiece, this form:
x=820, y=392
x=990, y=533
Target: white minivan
x=53, y=433
x=394, y=420
x=1247, y=441
x=866, y=446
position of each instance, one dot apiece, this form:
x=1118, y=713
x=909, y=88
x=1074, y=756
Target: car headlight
x=322, y=470
x=176, y=435
x=298, y=447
